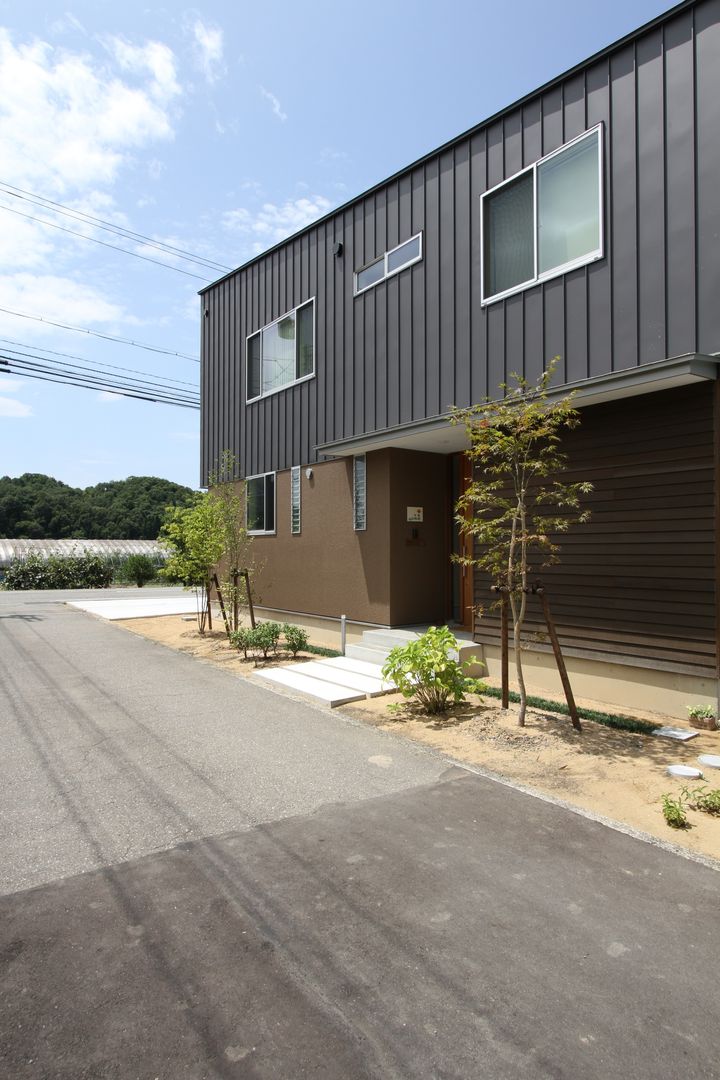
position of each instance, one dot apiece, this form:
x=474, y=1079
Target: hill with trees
x=37, y=507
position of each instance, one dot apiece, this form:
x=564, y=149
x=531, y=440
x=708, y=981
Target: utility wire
x=40, y=363
x=103, y=243
x=119, y=230
x=84, y=360
x=90, y=383
x=99, y=334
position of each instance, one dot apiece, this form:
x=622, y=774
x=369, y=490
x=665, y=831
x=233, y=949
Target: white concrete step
x=362, y=667
x=331, y=693
x=388, y=638
x=372, y=654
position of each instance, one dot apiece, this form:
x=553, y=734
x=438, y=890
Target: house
x=582, y=221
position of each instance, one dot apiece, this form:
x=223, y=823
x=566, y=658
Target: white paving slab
x=331, y=693
x=319, y=669
x=137, y=607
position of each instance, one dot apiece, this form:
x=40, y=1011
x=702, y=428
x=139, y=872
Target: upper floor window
x=282, y=352
x=544, y=221
x=392, y=262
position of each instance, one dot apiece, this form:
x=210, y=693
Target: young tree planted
x=516, y=504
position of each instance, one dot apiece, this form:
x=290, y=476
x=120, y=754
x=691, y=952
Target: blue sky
x=217, y=129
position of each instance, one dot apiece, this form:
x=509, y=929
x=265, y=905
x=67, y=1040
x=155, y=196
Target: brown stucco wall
x=383, y=575
x=329, y=569
x=419, y=566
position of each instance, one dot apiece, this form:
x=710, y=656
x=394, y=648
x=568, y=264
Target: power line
x=99, y=334
x=41, y=363
x=89, y=383
x=119, y=230
x=84, y=360
x=102, y=243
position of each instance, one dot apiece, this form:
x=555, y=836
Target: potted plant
x=702, y=716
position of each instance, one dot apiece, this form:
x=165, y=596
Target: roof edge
x=607, y=50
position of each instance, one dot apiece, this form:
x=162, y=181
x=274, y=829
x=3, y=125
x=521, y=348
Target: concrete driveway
x=271, y=891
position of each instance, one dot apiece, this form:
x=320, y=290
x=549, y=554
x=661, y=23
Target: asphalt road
x=330, y=902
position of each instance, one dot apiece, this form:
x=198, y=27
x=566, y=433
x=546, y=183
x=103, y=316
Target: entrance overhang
x=438, y=436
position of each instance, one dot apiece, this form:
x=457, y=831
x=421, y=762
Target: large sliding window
x=544, y=221
x=281, y=353
x=260, y=503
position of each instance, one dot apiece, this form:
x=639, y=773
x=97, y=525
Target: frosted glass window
x=370, y=275
x=295, y=500
x=403, y=255
x=359, y=494
x=509, y=242
x=569, y=205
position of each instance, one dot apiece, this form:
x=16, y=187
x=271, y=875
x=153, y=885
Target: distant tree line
x=37, y=507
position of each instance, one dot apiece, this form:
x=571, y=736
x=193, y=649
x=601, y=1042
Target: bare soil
x=614, y=773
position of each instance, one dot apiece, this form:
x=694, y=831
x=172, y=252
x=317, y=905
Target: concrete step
x=362, y=667
x=388, y=638
x=331, y=693
x=372, y=654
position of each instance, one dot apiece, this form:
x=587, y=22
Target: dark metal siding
x=421, y=341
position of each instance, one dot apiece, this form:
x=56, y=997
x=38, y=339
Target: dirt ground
x=613, y=773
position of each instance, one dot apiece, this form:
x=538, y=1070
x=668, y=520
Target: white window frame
x=295, y=500
x=268, y=326
x=356, y=517
x=263, y=532
x=556, y=271
x=387, y=273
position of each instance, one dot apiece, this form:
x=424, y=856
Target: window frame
x=262, y=532
x=260, y=331
x=356, y=527
x=384, y=257
x=295, y=474
x=564, y=268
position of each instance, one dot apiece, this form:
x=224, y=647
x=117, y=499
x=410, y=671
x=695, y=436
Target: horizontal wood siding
x=636, y=583
x=421, y=341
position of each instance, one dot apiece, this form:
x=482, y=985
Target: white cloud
x=208, y=42
x=272, y=223
x=54, y=298
x=9, y=386
x=16, y=409
x=107, y=396
x=185, y=436
x=68, y=121
x=276, y=107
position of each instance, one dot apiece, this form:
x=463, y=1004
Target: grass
x=320, y=650
x=612, y=720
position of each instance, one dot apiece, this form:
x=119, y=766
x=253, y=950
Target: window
x=295, y=500
x=260, y=503
x=390, y=263
x=544, y=221
x=359, y=494
x=282, y=353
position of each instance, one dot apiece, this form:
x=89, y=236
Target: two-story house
x=582, y=221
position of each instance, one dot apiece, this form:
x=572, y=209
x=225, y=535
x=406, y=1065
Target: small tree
x=516, y=504
x=139, y=568
x=229, y=500
x=195, y=536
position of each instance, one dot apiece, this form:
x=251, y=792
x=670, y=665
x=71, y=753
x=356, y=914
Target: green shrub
x=674, y=812
x=137, y=568
x=265, y=637
x=59, y=572
x=242, y=639
x=321, y=650
x=702, y=798
x=295, y=638
x=426, y=669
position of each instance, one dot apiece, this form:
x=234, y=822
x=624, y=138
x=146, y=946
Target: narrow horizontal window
x=295, y=500
x=392, y=262
x=546, y=220
x=260, y=503
x=359, y=494
x=281, y=353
